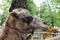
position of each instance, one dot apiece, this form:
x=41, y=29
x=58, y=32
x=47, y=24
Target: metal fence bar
x=44, y=32
x=40, y=35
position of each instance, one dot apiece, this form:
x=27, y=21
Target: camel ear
x=13, y=14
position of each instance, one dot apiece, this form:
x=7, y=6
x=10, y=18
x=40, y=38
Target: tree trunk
x=18, y=4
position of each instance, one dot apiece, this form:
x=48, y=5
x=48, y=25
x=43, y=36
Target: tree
x=18, y=4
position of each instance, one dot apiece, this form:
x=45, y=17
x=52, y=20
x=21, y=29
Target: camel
x=20, y=25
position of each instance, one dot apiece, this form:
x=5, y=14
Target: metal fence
x=39, y=35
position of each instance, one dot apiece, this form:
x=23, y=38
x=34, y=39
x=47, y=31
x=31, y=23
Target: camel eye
x=27, y=19
x=13, y=14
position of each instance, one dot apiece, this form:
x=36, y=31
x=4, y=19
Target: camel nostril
x=45, y=28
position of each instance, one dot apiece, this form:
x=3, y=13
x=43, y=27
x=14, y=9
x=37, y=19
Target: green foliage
x=5, y=7
x=45, y=12
x=32, y=7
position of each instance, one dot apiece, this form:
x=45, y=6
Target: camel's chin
x=1, y=32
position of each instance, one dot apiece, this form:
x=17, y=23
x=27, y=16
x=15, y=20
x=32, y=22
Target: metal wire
x=44, y=32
